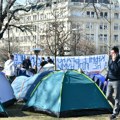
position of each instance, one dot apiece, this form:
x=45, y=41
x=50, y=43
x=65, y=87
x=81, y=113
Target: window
x=116, y=26
x=105, y=26
x=88, y=13
x=101, y=14
x=116, y=15
x=101, y=37
x=92, y=14
x=105, y=14
x=34, y=17
x=88, y=36
x=34, y=28
x=105, y=37
x=116, y=38
x=92, y=37
x=89, y=25
x=101, y=26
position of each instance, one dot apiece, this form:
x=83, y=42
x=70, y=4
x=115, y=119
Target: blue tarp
x=99, y=79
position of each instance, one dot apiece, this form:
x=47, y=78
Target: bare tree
x=57, y=38
x=4, y=51
x=10, y=18
x=9, y=10
x=81, y=44
x=57, y=34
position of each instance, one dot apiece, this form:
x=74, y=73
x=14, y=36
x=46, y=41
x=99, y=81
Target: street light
x=36, y=52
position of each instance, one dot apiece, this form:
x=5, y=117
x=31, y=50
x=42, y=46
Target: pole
x=55, y=39
x=75, y=37
x=36, y=52
x=8, y=29
x=55, y=47
x=75, y=45
x=110, y=23
x=8, y=40
x=36, y=62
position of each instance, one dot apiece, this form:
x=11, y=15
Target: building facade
x=99, y=22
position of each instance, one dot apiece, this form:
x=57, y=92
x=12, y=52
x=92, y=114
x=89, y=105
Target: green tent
x=2, y=111
x=61, y=92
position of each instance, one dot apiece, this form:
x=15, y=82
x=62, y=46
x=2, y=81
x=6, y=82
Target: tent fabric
x=66, y=91
x=37, y=81
x=6, y=95
x=22, y=84
x=3, y=113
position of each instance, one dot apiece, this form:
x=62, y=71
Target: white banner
x=86, y=63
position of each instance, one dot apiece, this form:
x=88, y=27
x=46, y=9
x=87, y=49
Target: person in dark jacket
x=50, y=60
x=26, y=63
x=113, y=78
x=43, y=62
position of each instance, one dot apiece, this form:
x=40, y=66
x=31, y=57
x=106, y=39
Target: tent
x=37, y=81
x=60, y=92
x=6, y=95
x=3, y=113
x=22, y=84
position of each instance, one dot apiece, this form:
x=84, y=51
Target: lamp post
x=36, y=52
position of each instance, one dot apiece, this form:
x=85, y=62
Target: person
x=113, y=78
x=21, y=71
x=10, y=69
x=43, y=62
x=49, y=60
x=27, y=63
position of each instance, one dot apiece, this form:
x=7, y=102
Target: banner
x=86, y=63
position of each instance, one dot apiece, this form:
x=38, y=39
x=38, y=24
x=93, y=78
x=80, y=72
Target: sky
x=21, y=1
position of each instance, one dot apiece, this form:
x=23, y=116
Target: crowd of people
x=25, y=68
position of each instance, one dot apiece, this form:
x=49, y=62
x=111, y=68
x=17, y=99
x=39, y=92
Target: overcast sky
x=21, y=1
x=24, y=1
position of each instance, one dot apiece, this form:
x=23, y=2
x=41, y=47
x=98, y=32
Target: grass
x=15, y=113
